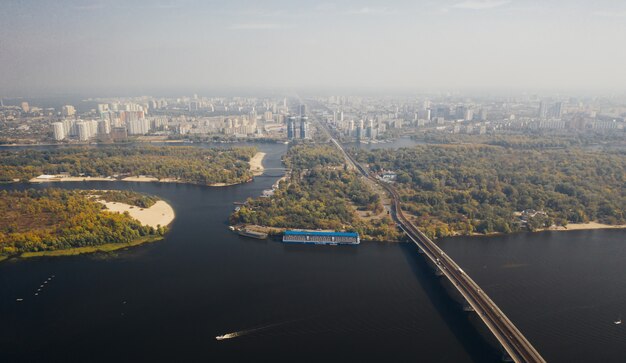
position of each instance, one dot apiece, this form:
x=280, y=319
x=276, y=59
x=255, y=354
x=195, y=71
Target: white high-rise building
x=68, y=110
x=58, y=131
x=83, y=130
x=138, y=126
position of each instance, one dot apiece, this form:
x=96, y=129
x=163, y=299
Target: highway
x=512, y=340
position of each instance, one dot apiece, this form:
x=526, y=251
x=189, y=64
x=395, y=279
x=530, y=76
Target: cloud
x=611, y=14
x=256, y=26
x=480, y=4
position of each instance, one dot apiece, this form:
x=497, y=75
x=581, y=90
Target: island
x=180, y=164
x=56, y=222
x=503, y=187
x=319, y=193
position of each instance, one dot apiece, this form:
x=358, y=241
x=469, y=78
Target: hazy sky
x=143, y=46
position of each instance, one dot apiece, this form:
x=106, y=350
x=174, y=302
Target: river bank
x=583, y=226
x=107, y=247
x=256, y=163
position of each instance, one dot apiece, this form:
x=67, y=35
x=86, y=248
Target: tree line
x=187, y=164
x=461, y=189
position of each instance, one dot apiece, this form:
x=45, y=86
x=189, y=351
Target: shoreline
x=107, y=247
x=256, y=163
x=583, y=227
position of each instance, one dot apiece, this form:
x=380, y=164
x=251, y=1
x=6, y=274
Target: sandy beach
x=581, y=226
x=59, y=178
x=160, y=213
x=256, y=164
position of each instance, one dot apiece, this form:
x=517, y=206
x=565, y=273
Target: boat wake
x=253, y=330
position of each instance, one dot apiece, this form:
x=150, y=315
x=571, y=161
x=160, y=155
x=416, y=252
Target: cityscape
x=366, y=119
x=354, y=181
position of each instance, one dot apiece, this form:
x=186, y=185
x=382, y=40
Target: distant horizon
x=318, y=92
x=162, y=46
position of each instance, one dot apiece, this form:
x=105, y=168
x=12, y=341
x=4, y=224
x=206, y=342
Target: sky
x=147, y=47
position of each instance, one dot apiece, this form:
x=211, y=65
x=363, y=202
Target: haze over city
x=140, y=47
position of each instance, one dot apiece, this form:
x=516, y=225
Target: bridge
x=518, y=348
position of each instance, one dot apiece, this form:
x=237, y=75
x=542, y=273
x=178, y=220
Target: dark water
x=373, y=302
x=564, y=290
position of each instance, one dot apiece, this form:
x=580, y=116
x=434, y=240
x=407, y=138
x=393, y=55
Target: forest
x=186, y=164
x=462, y=189
x=56, y=219
x=320, y=194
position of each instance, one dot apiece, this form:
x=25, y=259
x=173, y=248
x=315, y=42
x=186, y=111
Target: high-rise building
x=104, y=127
x=302, y=110
x=369, y=131
x=83, y=131
x=194, y=105
x=291, y=127
x=304, y=127
x=25, y=107
x=359, y=130
x=58, y=131
x=543, y=110
x=139, y=126
x=68, y=110
x=103, y=107
x=558, y=110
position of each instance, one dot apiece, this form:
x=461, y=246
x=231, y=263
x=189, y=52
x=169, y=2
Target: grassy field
x=90, y=249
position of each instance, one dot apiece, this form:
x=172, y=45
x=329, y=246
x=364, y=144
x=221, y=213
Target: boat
x=19, y=299
x=252, y=234
x=618, y=321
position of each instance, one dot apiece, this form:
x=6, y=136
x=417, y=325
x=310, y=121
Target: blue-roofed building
x=321, y=238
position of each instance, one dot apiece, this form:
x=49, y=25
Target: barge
x=321, y=238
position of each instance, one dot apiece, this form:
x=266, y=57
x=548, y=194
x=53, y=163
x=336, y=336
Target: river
x=168, y=301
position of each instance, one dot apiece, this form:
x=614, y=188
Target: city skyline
x=149, y=47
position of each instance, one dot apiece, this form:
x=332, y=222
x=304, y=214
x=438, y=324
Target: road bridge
x=518, y=348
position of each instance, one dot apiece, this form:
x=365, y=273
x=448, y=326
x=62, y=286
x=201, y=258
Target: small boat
x=618, y=321
x=19, y=299
x=252, y=234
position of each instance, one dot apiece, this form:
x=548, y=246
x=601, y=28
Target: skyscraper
x=558, y=110
x=304, y=127
x=543, y=110
x=302, y=110
x=25, y=107
x=291, y=127
x=58, y=131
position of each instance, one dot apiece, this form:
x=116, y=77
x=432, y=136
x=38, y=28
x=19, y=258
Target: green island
x=508, y=185
x=193, y=165
x=320, y=193
x=55, y=222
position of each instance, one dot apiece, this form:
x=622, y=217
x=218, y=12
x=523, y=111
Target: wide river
x=168, y=301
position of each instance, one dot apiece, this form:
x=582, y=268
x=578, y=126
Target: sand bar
x=256, y=163
x=160, y=213
x=582, y=226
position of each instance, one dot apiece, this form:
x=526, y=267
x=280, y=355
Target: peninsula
x=319, y=193
x=54, y=222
